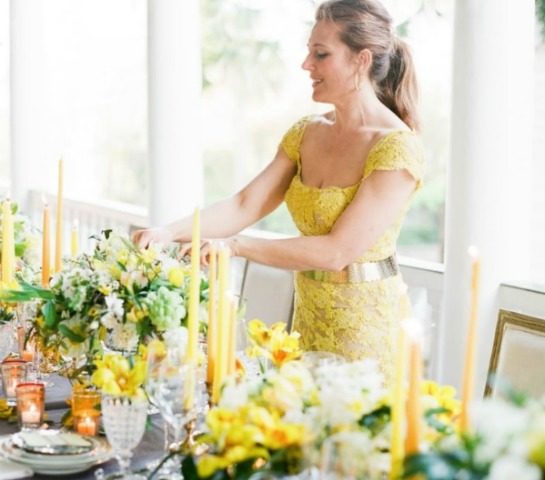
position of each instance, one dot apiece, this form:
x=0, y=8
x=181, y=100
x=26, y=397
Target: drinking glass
x=13, y=372
x=124, y=421
x=176, y=384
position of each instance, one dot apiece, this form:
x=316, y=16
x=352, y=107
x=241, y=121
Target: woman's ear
x=365, y=60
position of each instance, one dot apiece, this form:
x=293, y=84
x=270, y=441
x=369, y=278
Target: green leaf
x=70, y=334
x=376, y=420
x=50, y=314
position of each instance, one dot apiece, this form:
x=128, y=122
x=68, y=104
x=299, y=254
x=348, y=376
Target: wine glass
x=175, y=396
x=124, y=420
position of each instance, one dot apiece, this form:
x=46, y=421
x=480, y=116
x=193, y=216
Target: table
x=149, y=449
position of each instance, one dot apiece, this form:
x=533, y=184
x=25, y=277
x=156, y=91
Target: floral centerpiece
x=116, y=297
x=279, y=422
x=507, y=441
x=26, y=241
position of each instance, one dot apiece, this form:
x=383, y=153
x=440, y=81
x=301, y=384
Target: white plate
x=52, y=464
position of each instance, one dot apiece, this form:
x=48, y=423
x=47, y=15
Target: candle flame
x=414, y=328
x=473, y=252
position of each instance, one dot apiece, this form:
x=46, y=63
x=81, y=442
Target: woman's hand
x=144, y=237
x=230, y=243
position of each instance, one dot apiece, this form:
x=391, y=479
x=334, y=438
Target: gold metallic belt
x=357, y=272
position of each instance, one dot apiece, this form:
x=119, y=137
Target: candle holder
x=30, y=404
x=86, y=411
x=13, y=373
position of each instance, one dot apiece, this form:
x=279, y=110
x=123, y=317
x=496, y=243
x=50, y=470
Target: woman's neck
x=362, y=109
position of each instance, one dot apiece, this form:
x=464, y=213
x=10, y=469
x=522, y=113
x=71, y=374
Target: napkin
x=38, y=439
x=11, y=470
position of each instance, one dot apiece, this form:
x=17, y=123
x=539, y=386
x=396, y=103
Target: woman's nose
x=307, y=64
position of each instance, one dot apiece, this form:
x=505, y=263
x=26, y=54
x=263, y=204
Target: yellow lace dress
x=356, y=320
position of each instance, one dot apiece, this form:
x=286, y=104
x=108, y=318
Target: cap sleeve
x=398, y=151
x=291, y=141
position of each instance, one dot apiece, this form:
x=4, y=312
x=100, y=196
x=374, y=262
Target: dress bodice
x=315, y=210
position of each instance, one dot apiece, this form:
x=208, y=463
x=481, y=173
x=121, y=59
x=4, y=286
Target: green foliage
x=459, y=464
x=376, y=420
x=540, y=13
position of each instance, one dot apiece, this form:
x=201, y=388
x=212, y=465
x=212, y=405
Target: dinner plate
x=53, y=442
x=56, y=464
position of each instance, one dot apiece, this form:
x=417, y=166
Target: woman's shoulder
x=397, y=149
x=291, y=141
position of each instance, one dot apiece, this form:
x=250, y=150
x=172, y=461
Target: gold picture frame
x=518, y=354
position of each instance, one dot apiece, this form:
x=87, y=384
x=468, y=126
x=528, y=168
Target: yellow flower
x=258, y=332
x=136, y=314
x=209, y=464
x=122, y=256
x=176, y=276
x=105, y=289
x=148, y=255
x=115, y=376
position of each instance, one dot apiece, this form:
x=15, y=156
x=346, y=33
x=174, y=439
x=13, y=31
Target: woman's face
x=331, y=64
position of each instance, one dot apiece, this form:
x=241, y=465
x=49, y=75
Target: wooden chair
x=518, y=355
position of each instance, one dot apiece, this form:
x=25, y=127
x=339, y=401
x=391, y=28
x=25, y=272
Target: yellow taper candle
x=46, y=262
x=74, y=239
x=414, y=404
x=471, y=342
x=220, y=370
x=194, y=284
x=232, y=345
x=59, y=220
x=398, y=406
x=8, y=244
x=212, y=314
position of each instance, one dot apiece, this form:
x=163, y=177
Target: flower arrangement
x=116, y=297
x=26, y=241
x=507, y=441
x=280, y=421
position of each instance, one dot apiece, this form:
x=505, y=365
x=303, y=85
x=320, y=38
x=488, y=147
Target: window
x=4, y=91
x=95, y=94
x=254, y=89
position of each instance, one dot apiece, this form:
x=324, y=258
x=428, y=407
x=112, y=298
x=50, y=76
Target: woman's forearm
x=220, y=220
x=301, y=253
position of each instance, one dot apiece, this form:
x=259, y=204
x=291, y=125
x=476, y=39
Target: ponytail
x=398, y=90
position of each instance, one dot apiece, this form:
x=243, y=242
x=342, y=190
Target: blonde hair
x=367, y=24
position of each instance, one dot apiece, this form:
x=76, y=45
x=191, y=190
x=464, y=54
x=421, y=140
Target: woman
x=347, y=178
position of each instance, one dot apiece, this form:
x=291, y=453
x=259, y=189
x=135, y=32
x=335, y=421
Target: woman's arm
x=379, y=200
x=228, y=217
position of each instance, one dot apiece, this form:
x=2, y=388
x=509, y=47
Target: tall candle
x=74, y=239
x=414, y=405
x=398, y=406
x=46, y=261
x=194, y=283
x=232, y=326
x=8, y=244
x=220, y=370
x=59, y=225
x=471, y=342
x=212, y=314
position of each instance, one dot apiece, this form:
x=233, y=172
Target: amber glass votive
x=13, y=373
x=85, y=411
x=30, y=404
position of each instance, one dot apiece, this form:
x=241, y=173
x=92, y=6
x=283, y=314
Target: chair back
x=518, y=355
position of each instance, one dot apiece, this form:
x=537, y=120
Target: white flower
x=109, y=320
x=233, y=394
x=511, y=467
x=114, y=304
x=176, y=338
x=124, y=336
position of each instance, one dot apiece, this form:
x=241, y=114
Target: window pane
x=96, y=96
x=4, y=92
x=255, y=89
x=537, y=265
